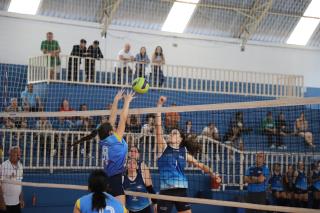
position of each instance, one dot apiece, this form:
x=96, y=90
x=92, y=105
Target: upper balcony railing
x=73, y=69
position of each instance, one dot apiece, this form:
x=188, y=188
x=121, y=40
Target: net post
x=241, y=170
x=51, y=153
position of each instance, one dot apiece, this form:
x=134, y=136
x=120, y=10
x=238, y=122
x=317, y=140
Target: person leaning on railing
x=142, y=60
x=124, y=69
x=52, y=48
x=94, y=53
x=31, y=101
x=158, y=60
x=79, y=50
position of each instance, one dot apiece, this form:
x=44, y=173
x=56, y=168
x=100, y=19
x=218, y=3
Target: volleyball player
x=277, y=186
x=172, y=159
x=315, y=182
x=289, y=185
x=136, y=180
x=98, y=200
x=301, y=186
x=114, y=147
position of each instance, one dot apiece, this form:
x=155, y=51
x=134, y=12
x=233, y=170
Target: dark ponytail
x=191, y=143
x=98, y=184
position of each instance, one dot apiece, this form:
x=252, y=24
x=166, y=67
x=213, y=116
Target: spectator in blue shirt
x=142, y=60
x=257, y=178
x=31, y=100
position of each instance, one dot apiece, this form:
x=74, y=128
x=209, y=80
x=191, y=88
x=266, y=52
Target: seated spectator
x=31, y=100
x=157, y=60
x=235, y=131
x=43, y=124
x=74, y=62
x=142, y=60
x=149, y=127
x=124, y=70
x=13, y=122
x=211, y=131
x=65, y=107
x=282, y=130
x=269, y=129
x=133, y=124
x=105, y=118
x=301, y=129
x=65, y=123
x=188, y=129
x=52, y=48
x=84, y=123
x=172, y=120
x=277, y=186
x=300, y=186
x=95, y=53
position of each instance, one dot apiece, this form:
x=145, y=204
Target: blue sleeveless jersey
x=301, y=181
x=113, y=205
x=134, y=203
x=171, y=168
x=316, y=184
x=114, y=154
x=276, y=182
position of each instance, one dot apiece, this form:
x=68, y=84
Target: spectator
x=269, y=129
x=105, y=118
x=13, y=122
x=31, y=100
x=43, y=124
x=52, y=48
x=74, y=62
x=211, y=131
x=315, y=182
x=257, y=178
x=63, y=123
x=142, y=60
x=172, y=120
x=65, y=107
x=84, y=123
x=235, y=131
x=94, y=53
x=98, y=200
x=289, y=185
x=301, y=129
x=133, y=124
x=277, y=185
x=188, y=129
x=149, y=127
x=124, y=70
x=301, y=186
x=282, y=130
x=158, y=60
x=12, y=170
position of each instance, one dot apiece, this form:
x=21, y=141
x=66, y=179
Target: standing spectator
x=211, y=131
x=158, y=60
x=12, y=170
x=52, y=48
x=282, y=130
x=301, y=129
x=142, y=60
x=277, y=185
x=172, y=119
x=74, y=62
x=257, y=178
x=13, y=122
x=94, y=53
x=269, y=129
x=31, y=100
x=124, y=70
x=84, y=123
x=301, y=186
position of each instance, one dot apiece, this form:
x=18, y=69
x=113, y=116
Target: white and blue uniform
x=171, y=168
x=114, y=154
x=316, y=184
x=276, y=182
x=133, y=203
x=84, y=204
x=301, y=183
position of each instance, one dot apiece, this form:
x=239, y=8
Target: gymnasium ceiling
x=216, y=18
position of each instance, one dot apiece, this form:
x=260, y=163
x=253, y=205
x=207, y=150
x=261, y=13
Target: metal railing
x=73, y=69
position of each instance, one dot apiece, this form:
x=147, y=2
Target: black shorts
x=165, y=206
x=115, y=185
x=300, y=191
x=145, y=210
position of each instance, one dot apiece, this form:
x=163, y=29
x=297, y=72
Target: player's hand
x=129, y=96
x=162, y=100
x=155, y=206
x=119, y=95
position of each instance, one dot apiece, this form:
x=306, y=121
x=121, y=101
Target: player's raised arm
x=114, y=108
x=159, y=133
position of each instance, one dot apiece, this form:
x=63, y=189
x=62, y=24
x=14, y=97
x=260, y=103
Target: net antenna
x=108, y=11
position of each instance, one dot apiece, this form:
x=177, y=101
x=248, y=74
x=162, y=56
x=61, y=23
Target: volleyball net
x=228, y=137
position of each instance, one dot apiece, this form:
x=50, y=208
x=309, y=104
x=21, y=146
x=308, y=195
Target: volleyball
x=140, y=85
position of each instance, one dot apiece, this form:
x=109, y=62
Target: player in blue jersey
x=277, y=186
x=173, y=156
x=301, y=186
x=139, y=181
x=315, y=182
x=98, y=201
x=114, y=147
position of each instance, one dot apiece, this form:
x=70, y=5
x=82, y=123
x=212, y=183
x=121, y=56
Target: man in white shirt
x=12, y=170
x=124, y=57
